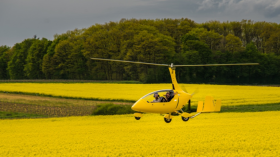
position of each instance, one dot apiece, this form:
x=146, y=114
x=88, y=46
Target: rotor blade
x=115, y=60
x=198, y=65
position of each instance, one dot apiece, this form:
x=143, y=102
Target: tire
x=185, y=119
x=167, y=120
x=137, y=118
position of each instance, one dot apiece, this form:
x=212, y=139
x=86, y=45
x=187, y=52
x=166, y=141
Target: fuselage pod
x=146, y=104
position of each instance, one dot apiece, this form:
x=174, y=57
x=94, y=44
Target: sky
x=22, y=19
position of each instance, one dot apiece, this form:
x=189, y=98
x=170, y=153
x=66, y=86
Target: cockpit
x=150, y=97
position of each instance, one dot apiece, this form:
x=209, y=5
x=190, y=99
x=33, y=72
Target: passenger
x=157, y=98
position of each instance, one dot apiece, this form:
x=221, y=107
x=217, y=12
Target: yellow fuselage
x=178, y=101
x=175, y=104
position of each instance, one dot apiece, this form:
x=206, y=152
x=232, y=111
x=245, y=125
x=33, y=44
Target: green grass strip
x=67, y=97
x=17, y=115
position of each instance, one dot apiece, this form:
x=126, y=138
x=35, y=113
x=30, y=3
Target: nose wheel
x=168, y=118
x=137, y=116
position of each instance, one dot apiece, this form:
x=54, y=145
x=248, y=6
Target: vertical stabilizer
x=199, y=106
x=218, y=104
x=209, y=105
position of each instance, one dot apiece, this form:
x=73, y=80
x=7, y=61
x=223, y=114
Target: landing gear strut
x=168, y=118
x=184, y=115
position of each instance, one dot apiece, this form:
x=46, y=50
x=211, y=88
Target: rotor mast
x=175, y=85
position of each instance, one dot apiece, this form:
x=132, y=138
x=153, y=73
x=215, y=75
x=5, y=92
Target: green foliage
x=4, y=58
x=252, y=108
x=211, y=38
x=48, y=64
x=18, y=59
x=112, y=109
x=13, y=115
x=33, y=66
x=64, y=58
x=233, y=43
x=178, y=41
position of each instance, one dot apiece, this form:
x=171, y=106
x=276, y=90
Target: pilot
x=169, y=95
x=171, y=92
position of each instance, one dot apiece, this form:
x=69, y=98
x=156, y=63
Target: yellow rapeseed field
x=212, y=134
x=230, y=95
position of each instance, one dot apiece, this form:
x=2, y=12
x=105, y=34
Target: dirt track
x=52, y=111
x=48, y=106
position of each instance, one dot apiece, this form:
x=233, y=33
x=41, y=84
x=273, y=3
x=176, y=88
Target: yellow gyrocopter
x=178, y=97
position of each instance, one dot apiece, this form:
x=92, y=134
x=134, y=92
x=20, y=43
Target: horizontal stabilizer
x=209, y=105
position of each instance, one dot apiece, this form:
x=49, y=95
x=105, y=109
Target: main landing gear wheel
x=185, y=118
x=137, y=118
x=167, y=120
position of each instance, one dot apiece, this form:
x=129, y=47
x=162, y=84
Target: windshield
x=150, y=97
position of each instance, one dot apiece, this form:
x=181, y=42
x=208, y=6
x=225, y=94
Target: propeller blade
x=195, y=92
x=115, y=60
x=199, y=65
x=184, y=89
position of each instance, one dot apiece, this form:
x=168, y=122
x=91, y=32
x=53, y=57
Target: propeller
x=189, y=102
x=184, y=89
x=195, y=91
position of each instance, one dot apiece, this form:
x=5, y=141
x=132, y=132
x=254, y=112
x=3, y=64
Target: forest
x=178, y=41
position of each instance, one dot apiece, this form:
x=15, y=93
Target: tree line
x=178, y=41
